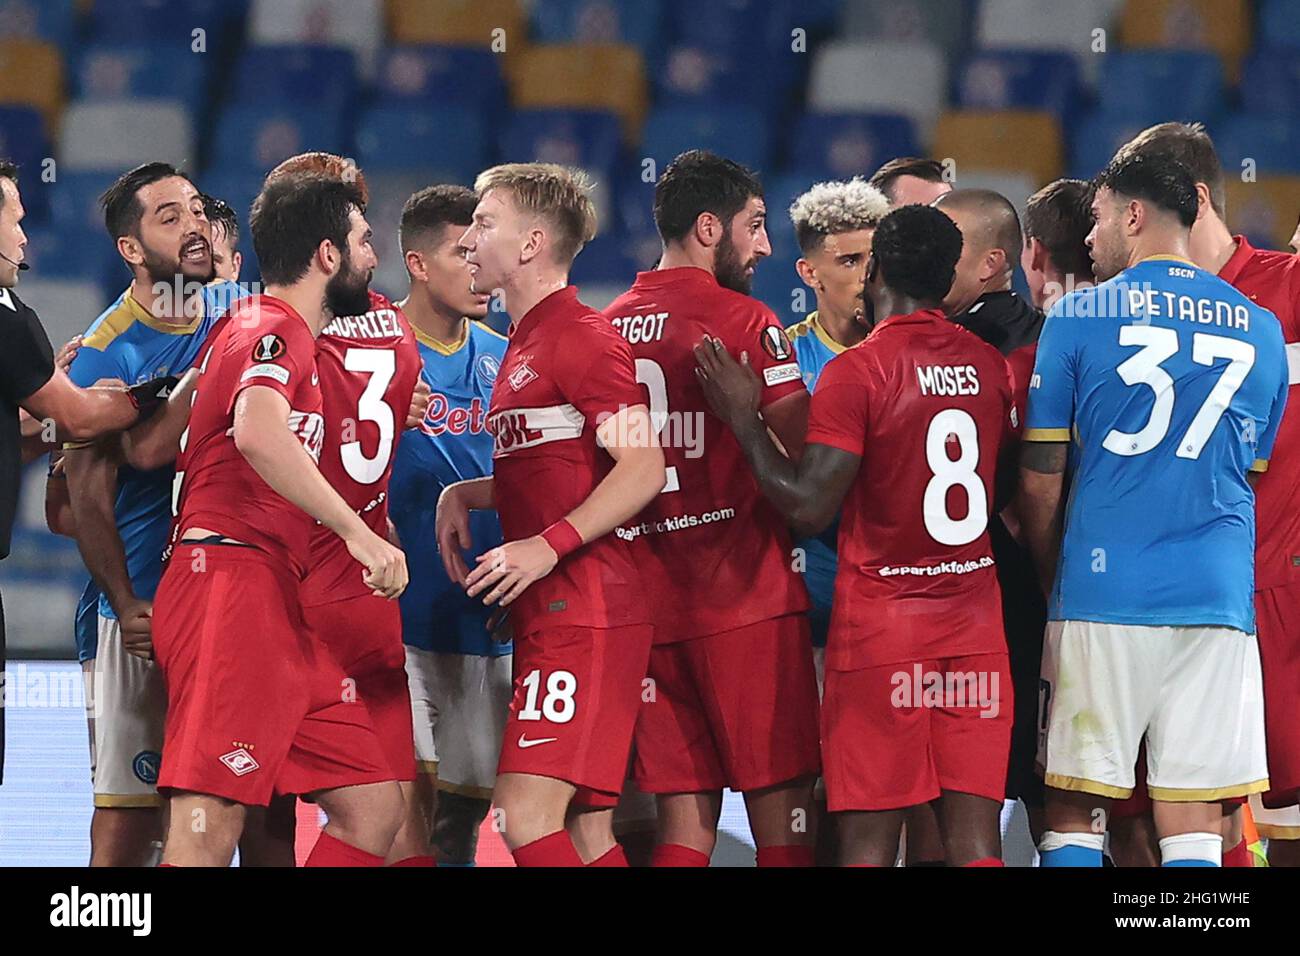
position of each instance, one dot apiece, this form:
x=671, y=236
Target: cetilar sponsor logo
x=74, y=908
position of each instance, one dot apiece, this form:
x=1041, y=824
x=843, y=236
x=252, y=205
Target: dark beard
x=348, y=292
x=729, y=270
x=163, y=271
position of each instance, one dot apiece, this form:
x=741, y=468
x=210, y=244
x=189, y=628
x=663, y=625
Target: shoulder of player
x=109, y=327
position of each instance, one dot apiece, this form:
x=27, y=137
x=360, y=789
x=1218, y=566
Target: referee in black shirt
x=56, y=409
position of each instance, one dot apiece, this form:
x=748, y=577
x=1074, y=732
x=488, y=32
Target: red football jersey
x=264, y=342
x=1272, y=280
x=717, y=554
x=368, y=366
x=927, y=405
x=564, y=371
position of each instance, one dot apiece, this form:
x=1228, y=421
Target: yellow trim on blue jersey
x=1179, y=795
x=442, y=348
x=1165, y=257
x=1046, y=434
x=1081, y=785
x=1259, y=466
x=482, y=326
x=810, y=324
x=128, y=312
x=111, y=800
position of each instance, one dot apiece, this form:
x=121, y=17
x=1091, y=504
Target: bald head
x=991, y=241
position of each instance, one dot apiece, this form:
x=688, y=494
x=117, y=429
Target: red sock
x=611, y=857
x=785, y=856
x=168, y=864
x=331, y=851
x=554, y=849
x=1239, y=855
x=673, y=854
x=985, y=861
x=415, y=861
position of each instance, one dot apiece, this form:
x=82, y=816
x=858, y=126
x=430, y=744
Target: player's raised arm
x=156, y=442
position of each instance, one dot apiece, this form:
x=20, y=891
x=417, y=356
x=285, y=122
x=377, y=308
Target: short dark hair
x=432, y=208
x=9, y=171
x=929, y=170
x=292, y=216
x=696, y=182
x=1189, y=144
x=916, y=249
x=221, y=213
x=1060, y=217
x=121, y=201
x=1157, y=178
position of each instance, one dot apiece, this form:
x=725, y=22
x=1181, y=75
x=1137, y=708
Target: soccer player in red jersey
x=256, y=705
x=906, y=430
x=735, y=702
x=368, y=364
x=575, y=457
x=1271, y=279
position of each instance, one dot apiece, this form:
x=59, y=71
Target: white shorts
x=1281, y=824
x=1194, y=692
x=460, y=703
x=126, y=704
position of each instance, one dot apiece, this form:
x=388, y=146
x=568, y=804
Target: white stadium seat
x=66, y=306
x=119, y=134
x=880, y=76
x=1032, y=24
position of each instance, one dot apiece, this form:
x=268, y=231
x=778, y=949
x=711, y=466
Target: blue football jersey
x=452, y=444
x=813, y=348
x=86, y=626
x=1173, y=383
x=126, y=342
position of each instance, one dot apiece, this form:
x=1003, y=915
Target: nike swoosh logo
x=525, y=743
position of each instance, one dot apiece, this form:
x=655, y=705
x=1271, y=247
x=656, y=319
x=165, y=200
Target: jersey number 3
x=380, y=364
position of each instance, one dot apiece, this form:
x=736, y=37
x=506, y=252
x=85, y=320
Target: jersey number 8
x=953, y=423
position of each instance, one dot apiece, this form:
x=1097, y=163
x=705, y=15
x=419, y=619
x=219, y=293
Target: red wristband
x=562, y=537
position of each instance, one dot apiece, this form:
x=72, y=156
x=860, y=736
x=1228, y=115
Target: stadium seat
x=1219, y=25
x=115, y=72
x=1017, y=187
x=1270, y=83
x=444, y=141
x=389, y=191
x=1094, y=139
x=590, y=140
x=357, y=25
x=1009, y=141
x=693, y=75
x=1032, y=24
x=86, y=255
x=51, y=20
x=23, y=141
x=945, y=23
x=1272, y=142
x=1266, y=211
x=66, y=305
x=604, y=260
x=284, y=75
x=256, y=138
x=757, y=33
x=1019, y=79
x=843, y=145
x=739, y=133
x=118, y=134
x=879, y=76
x=1278, y=24
x=1159, y=84
x=31, y=74
x=74, y=205
x=168, y=22
x=637, y=22
x=457, y=22
x=779, y=192
x=602, y=77
x=775, y=285
x=451, y=75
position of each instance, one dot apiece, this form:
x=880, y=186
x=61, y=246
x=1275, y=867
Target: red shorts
x=254, y=700
x=894, y=736
x=364, y=634
x=736, y=709
x=576, y=695
x=1138, y=803
x=1277, y=624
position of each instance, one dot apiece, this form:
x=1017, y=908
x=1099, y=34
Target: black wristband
x=148, y=396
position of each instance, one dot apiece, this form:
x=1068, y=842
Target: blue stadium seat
x=256, y=138
x=780, y=192
x=604, y=260
x=599, y=21
x=461, y=76
x=239, y=189
x=586, y=138
x=167, y=21
x=74, y=204
x=1096, y=136
x=755, y=34
x=1278, y=24
x=1157, y=84
x=114, y=72
x=51, y=20
x=1019, y=79
x=64, y=252
x=1272, y=142
x=23, y=141
x=843, y=145
x=448, y=141
x=740, y=134
x=282, y=75
x=1270, y=83
x=775, y=282
x=700, y=75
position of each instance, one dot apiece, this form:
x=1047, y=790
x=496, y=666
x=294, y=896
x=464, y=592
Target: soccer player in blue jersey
x=459, y=672
x=1173, y=384
x=121, y=515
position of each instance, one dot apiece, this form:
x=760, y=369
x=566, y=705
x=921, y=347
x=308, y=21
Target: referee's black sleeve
x=26, y=356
